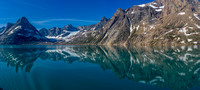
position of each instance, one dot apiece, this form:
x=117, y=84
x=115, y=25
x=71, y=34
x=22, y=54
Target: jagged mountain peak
x=23, y=20
x=55, y=28
x=68, y=26
x=21, y=32
x=24, y=23
x=104, y=19
x=119, y=12
x=9, y=25
x=80, y=27
x=59, y=33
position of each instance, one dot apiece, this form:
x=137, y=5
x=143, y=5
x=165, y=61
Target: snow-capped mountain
x=69, y=32
x=161, y=22
x=59, y=33
x=20, y=33
x=88, y=33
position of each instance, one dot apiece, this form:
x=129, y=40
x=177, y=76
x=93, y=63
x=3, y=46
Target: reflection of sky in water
x=94, y=67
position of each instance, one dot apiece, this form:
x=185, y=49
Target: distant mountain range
x=161, y=22
x=59, y=33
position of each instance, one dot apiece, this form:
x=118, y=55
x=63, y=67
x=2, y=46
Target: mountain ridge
x=161, y=22
x=20, y=33
x=148, y=24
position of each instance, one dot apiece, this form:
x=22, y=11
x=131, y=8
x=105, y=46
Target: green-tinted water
x=98, y=68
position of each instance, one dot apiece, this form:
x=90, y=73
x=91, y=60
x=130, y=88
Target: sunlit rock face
x=88, y=34
x=161, y=67
x=158, y=23
x=174, y=6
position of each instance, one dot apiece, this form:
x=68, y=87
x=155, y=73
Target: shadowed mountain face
x=152, y=66
x=1, y=29
x=20, y=33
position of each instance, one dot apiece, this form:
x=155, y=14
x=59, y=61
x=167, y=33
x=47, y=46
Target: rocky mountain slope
x=59, y=33
x=162, y=22
x=87, y=34
x=1, y=29
x=20, y=33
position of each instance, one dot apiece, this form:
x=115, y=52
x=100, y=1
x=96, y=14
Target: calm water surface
x=99, y=68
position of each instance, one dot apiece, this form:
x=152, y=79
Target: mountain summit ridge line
x=161, y=22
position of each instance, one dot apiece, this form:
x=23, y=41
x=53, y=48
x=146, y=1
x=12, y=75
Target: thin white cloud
x=41, y=22
x=56, y=20
x=6, y=18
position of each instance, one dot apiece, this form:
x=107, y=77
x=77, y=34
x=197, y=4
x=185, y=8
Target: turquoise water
x=99, y=68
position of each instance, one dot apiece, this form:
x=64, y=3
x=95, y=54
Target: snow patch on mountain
x=66, y=38
x=142, y=5
x=196, y=15
x=158, y=10
x=197, y=26
x=18, y=27
x=131, y=28
x=189, y=40
x=181, y=13
x=184, y=30
x=183, y=42
x=195, y=42
x=153, y=6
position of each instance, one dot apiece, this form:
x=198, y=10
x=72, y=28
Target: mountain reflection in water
x=174, y=68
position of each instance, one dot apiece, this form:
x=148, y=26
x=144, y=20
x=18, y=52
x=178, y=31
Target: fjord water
x=98, y=68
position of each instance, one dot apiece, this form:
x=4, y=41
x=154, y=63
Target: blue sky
x=52, y=13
